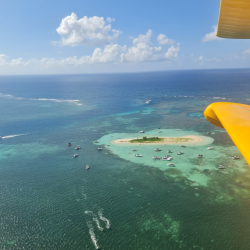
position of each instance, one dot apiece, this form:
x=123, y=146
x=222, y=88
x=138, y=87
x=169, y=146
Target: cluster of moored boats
x=78, y=148
x=169, y=157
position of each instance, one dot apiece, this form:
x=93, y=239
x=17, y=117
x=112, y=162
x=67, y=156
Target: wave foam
x=39, y=99
x=148, y=101
x=11, y=136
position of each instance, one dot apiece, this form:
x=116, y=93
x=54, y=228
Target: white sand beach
x=167, y=140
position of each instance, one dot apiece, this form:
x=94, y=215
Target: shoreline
x=167, y=140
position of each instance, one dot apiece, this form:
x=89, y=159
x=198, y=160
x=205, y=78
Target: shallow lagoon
x=193, y=168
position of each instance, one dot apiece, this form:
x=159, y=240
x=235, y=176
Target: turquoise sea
x=48, y=200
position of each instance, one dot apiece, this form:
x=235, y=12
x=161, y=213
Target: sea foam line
x=104, y=219
x=39, y=99
x=11, y=136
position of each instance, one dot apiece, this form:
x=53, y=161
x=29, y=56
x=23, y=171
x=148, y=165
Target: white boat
x=180, y=153
x=138, y=155
x=169, y=158
x=99, y=149
x=159, y=131
x=199, y=156
x=235, y=157
x=133, y=149
x=169, y=151
x=171, y=164
x=87, y=167
x=77, y=148
x=221, y=167
x=75, y=155
x=141, y=131
x=96, y=141
x=210, y=148
x=157, y=149
x=154, y=157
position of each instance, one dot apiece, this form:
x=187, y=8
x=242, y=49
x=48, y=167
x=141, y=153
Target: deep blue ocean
x=48, y=200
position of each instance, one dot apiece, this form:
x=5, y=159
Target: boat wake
x=97, y=223
x=148, y=101
x=11, y=136
x=89, y=212
x=104, y=219
x=92, y=235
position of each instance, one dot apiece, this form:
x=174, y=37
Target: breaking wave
x=11, y=136
x=77, y=102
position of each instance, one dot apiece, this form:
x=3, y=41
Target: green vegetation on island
x=147, y=139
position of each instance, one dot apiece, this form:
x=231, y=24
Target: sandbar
x=167, y=140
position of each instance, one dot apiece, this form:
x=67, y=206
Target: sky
x=108, y=36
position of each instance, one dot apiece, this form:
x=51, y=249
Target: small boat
x=171, y=164
x=133, y=149
x=77, y=148
x=154, y=157
x=199, y=156
x=235, y=157
x=157, y=149
x=99, y=149
x=87, y=167
x=159, y=131
x=208, y=133
x=169, y=151
x=167, y=158
x=96, y=141
x=210, y=148
x=141, y=131
x=69, y=144
x=75, y=155
x=221, y=167
x=180, y=153
x=183, y=146
x=138, y=155
x=159, y=128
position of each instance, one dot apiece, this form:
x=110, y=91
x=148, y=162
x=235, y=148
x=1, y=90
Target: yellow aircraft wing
x=235, y=118
x=234, y=19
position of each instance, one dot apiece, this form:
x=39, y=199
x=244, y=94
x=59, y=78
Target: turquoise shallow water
x=50, y=201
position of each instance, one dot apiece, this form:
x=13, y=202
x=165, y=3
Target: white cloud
x=86, y=31
x=201, y=58
x=111, y=53
x=163, y=40
x=141, y=51
x=143, y=38
x=247, y=51
x=13, y=62
x=109, y=20
x=211, y=36
x=172, y=52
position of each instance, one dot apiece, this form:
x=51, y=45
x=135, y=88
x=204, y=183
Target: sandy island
x=167, y=140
